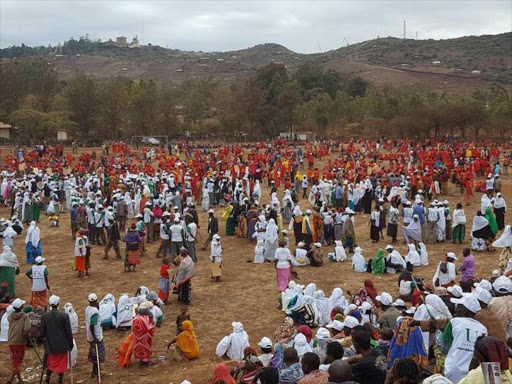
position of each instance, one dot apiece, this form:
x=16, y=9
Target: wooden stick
x=71, y=367
x=98, y=362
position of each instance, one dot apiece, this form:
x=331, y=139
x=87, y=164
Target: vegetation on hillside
x=267, y=104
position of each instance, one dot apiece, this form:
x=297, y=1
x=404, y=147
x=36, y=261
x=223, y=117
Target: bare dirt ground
x=247, y=293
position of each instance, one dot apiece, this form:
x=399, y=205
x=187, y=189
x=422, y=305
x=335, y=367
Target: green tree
x=114, y=106
x=84, y=103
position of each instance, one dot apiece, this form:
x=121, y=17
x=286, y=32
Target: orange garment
x=187, y=341
x=125, y=351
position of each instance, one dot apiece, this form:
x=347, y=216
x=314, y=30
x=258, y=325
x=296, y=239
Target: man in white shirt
x=460, y=335
x=94, y=334
x=176, y=234
x=164, y=235
x=191, y=237
x=266, y=347
x=148, y=220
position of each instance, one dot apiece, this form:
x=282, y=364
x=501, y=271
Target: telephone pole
x=404, y=29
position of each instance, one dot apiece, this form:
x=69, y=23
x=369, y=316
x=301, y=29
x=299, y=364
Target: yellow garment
x=299, y=176
x=227, y=213
x=187, y=341
x=476, y=376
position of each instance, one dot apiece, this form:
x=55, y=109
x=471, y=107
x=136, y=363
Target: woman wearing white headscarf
x=441, y=223
x=260, y=228
x=9, y=234
x=288, y=294
x=124, y=315
x=423, y=254
x=271, y=236
x=310, y=289
x=339, y=252
x=129, y=205
x=257, y=190
x=505, y=242
x=33, y=243
x=4, y=324
x=426, y=312
x=438, y=304
x=107, y=311
x=216, y=258
x=413, y=256
x=500, y=207
x=301, y=345
x=321, y=304
x=412, y=232
x=288, y=206
x=73, y=317
x=234, y=344
x=358, y=261
x=337, y=300
x=8, y=268
x=480, y=232
x=459, y=224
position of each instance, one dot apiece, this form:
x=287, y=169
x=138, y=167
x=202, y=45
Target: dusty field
x=247, y=293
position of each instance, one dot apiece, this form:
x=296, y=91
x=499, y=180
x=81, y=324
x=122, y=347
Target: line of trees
x=273, y=101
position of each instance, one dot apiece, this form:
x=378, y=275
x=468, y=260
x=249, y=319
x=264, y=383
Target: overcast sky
x=302, y=26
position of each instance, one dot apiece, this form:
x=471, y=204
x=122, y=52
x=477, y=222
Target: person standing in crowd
x=113, y=238
x=40, y=286
x=213, y=228
x=97, y=351
x=58, y=340
x=216, y=258
x=19, y=328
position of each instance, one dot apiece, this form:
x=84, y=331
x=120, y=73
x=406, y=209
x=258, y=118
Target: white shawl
x=33, y=234
x=505, y=239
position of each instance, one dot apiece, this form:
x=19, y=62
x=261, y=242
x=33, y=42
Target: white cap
x=469, y=301
x=318, y=245
x=92, y=297
x=322, y=334
x=301, y=244
x=350, y=322
x=456, y=291
x=211, y=211
x=411, y=311
x=18, y=303
x=385, y=298
x=186, y=382
x=389, y=246
x=335, y=324
x=39, y=259
x=265, y=342
x=482, y=295
x=451, y=255
x=502, y=285
x=54, y=300
x=399, y=303
x=216, y=236
x=485, y=284
x=496, y=273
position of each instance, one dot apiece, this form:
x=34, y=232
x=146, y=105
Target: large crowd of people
x=448, y=329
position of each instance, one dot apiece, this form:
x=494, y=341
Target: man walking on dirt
x=58, y=340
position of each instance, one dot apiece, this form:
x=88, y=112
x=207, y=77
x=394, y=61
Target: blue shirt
x=420, y=211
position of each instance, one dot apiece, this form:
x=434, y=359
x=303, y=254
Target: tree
x=288, y=100
x=114, y=106
x=11, y=93
x=357, y=87
x=83, y=103
x=45, y=88
x=29, y=123
x=168, y=96
x=144, y=107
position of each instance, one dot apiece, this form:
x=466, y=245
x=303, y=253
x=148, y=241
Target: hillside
x=440, y=65
x=491, y=55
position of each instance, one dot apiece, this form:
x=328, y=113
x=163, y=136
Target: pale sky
x=302, y=26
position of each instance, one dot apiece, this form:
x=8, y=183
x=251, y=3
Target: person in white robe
x=301, y=345
x=358, y=261
x=339, y=254
x=4, y=324
x=412, y=232
x=337, y=300
x=441, y=223
x=288, y=294
x=271, y=237
x=321, y=305
x=423, y=254
x=259, y=251
x=234, y=344
x=107, y=311
x=394, y=260
x=125, y=312
x=413, y=256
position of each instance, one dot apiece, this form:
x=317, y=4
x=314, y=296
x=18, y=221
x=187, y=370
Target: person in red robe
x=143, y=329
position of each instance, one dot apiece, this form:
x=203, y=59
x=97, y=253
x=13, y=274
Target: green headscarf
x=492, y=220
x=378, y=263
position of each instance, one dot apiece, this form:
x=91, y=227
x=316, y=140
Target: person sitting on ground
x=310, y=368
x=340, y=373
x=371, y=369
x=293, y=371
x=333, y=352
x=234, y=344
x=316, y=256
x=186, y=343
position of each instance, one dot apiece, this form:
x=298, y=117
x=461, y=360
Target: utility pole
x=404, y=29
x=416, y=35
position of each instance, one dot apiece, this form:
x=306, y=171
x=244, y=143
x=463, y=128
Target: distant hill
x=442, y=65
x=491, y=55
